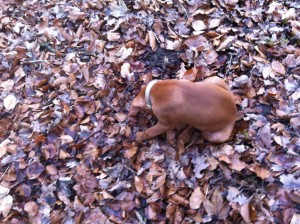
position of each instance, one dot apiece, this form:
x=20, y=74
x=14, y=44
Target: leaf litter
x=69, y=71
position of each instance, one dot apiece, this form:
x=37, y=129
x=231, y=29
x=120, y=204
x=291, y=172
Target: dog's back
x=203, y=105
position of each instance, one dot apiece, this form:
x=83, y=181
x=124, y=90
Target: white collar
x=147, y=93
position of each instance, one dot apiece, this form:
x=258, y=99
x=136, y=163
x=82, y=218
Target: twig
x=48, y=47
x=228, y=65
x=5, y=172
x=128, y=168
x=34, y=61
x=84, y=53
x=139, y=217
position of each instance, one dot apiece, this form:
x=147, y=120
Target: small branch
x=34, y=61
x=84, y=53
x=4, y=172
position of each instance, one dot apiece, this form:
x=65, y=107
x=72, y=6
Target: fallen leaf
x=237, y=164
x=3, y=191
x=265, y=135
x=234, y=195
x=248, y=213
x=226, y=42
x=65, y=139
x=197, y=43
x=8, y=85
x=200, y=164
x=295, y=122
x=10, y=102
x=278, y=67
x=160, y=181
x=31, y=208
x=113, y=36
x=190, y=74
x=290, y=181
x=125, y=71
x=6, y=204
x=268, y=72
x=138, y=183
x=34, y=170
x=295, y=219
x=213, y=23
x=179, y=199
x=241, y=80
x=196, y=198
x=3, y=151
x=152, y=40
x=261, y=172
x=198, y=25
x=210, y=56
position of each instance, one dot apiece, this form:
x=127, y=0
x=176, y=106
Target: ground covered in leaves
x=69, y=70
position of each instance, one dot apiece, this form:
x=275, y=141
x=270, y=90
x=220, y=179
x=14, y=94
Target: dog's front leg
x=158, y=129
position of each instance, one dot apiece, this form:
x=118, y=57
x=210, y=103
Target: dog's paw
x=140, y=136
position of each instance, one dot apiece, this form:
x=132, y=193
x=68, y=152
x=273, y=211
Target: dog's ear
x=133, y=111
x=137, y=103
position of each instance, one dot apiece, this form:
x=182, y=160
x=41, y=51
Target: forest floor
x=69, y=71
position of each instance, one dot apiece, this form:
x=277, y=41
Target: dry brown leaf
x=125, y=71
x=65, y=139
x=138, y=183
x=245, y=212
x=217, y=200
x=160, y=181
x=10, y=102
x=265, y=135
x=237, y=164
x=190, y=74
x=290, y=181
x=113, y=36
x=6, y=204
x=129, y=153
x=3, y=191
x=209, y=207
x=278, y=67
x=200, y=164
x=51, y=169
x=295, y=219
x=295, y=122
x=155, y=197
x=261, y=172
x=197, y=43
x=268, y=72
x=196, y=198
x=179, y=199
x=34, y=170
x=226, y=42
x=198, y=25
x=8, y=85
x=106, y=195
x=31, y=208
x=152, y=40
x=210, y=56
x=213, y=23
x=3, y=149
x=174, y=45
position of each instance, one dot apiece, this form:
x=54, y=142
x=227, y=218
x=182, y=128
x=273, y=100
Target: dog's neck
x=147, y=93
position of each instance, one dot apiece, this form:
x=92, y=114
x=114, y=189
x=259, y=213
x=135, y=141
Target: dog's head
x=138, y=103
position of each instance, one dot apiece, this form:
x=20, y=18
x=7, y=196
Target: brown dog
x=208, y=106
